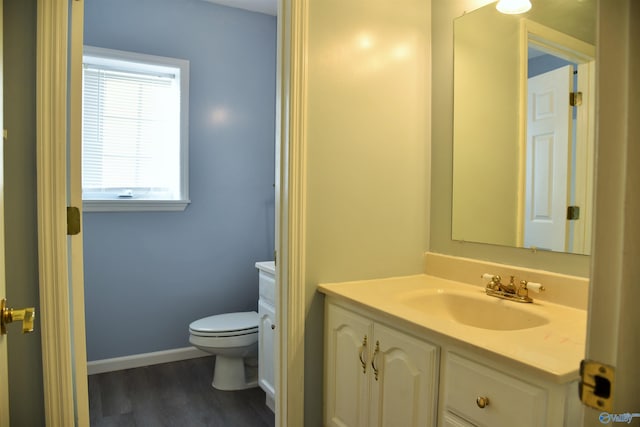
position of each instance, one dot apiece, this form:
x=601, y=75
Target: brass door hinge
x=575, y=99
x=73, y=220
x=596, y=385
x=573, y=213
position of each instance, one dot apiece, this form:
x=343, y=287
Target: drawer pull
x=482, y=401
x=363, y=349
x=373, y=360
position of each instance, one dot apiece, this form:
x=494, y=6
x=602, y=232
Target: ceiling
x=270, y=7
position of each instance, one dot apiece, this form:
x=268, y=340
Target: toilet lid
x=222, y=324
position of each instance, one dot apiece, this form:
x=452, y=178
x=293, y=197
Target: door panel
x=404, y=394
x=548, y=136
x=20, y=222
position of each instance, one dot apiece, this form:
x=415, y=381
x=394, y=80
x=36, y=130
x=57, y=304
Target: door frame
x=61, y=288
x=561, y=45
x=4, y=367
x=291, y=96
x=60, y=258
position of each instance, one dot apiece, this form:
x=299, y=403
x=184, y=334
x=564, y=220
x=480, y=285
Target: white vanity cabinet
x=426, y=379
x=376, y=375
x=267, y=331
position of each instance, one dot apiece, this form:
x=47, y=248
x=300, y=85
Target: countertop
x=556, y=348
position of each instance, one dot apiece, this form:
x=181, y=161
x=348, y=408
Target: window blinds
x=131, y=132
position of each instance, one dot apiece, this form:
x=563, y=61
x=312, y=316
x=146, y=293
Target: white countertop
x=555, y=348
x=267, y=266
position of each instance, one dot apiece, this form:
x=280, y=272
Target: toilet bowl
x=233, y=339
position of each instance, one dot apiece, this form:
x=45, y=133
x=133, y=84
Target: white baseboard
x=144, y=359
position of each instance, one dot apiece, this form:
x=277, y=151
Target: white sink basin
x=477, y=310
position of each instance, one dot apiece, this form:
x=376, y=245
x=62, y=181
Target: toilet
x=233, y=339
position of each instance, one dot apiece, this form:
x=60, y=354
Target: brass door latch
x=597, y=381
x=9, y=315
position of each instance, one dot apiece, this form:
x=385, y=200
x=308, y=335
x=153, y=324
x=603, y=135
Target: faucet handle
x=525, y=287
x=535, y=287
x=493, y=281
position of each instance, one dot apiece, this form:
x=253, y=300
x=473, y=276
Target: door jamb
x=291, y=201
x=62, y=351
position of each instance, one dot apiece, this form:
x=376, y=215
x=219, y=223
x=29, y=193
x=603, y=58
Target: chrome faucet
x=510, y=291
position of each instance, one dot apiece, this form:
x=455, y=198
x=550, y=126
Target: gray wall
x=159, y=271
x=21, y=259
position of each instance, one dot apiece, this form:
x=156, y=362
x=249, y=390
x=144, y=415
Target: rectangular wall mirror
x=523, y=149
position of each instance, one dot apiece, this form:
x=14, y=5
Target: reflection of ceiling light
x=513, y=7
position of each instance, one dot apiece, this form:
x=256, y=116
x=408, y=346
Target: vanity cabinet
x=267, y=332
x=376, y=375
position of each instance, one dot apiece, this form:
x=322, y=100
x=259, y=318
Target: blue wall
x=149, y=274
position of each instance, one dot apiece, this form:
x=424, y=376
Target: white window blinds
x=131, y=131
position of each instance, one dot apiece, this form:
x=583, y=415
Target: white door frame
x=62, y=322
x=4, y=368
x=290, y=205
x=63, y=334
x=558, y=44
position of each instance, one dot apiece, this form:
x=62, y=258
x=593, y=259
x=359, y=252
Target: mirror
x=523, y=156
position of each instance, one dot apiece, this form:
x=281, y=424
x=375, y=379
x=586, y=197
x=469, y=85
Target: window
x=134, y=131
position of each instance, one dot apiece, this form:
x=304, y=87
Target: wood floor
x=173, y=394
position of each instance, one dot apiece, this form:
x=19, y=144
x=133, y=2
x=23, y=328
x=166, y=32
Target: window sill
x=134, y=205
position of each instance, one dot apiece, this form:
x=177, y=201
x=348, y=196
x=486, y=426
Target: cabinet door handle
x=373, y=360
x=363, y=350
x=482, y=401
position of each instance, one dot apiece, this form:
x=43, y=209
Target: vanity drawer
x=511, y=401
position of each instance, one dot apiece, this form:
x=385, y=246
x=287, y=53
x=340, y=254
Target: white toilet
x=233, y=338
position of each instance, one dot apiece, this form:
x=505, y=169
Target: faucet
x=509, y=288
x=510, y=291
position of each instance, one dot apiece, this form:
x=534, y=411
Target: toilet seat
x=226, y=325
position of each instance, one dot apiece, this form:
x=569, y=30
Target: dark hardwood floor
x=173, y=394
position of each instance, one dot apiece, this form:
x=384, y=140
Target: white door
x=547, y=159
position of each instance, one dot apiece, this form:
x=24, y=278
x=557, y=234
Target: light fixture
x=513, y=7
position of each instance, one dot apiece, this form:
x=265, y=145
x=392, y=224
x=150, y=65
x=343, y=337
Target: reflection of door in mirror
x=547, y=153
x=558, y=150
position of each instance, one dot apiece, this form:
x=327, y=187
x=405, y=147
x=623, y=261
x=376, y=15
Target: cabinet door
x=404, y=390
x=266, y=348
x=347, y=338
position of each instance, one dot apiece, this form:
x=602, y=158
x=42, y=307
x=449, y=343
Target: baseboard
x=144, y=359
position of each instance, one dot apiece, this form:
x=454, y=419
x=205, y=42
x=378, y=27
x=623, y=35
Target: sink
x=477, y=310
